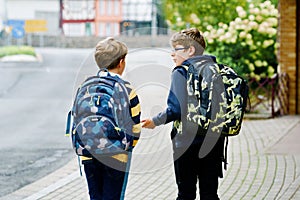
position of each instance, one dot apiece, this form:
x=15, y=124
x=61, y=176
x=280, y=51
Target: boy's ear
x=121, y=64
x=192, y=51
x=122, y=60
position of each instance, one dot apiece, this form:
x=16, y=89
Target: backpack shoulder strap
x=184, y=67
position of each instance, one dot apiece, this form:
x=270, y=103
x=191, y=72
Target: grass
x=16, y=50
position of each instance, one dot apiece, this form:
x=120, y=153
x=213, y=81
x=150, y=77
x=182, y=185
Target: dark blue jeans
x=104, y=182
x=189, y=169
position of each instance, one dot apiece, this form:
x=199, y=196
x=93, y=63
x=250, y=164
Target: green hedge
x=16, y=50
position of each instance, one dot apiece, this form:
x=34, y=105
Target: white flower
x=220, y=24
x=264, y=12
x=257, y=77
x=243, y=26
x=225, y=26
x=258, y=63
x=253, y=25
x=169, y=22
x=210, y=41
x=195, y=18
x=206, y=34
x=251, y=67
x=232, y=24
x=265, y=63
x=271, y=31
x=222, y=38
x=270, y=70
x=251, y=17
x=274, y=12
x=249, y=36
x=176, y=14
x=228, y=35
x=220, y=31
x=242, y=34
x=258, y=43
x=249, y=42
x=180, y=23
x=238, y=20
x=239, y=9
x=209, y=27
x=272, y=21
x=233, y=40
x=254, y=11
x=259, y=18
x=243, y=14
x=263, y=28
x=267, y=43
x=266, y=4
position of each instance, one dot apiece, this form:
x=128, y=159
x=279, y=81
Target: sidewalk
x=264, y=163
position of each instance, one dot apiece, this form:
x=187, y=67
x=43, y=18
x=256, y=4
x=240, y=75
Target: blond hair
x=189, y=37
x=109, y=52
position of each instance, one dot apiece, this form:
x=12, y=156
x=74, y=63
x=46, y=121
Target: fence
x=269, y=96
x=41, y=40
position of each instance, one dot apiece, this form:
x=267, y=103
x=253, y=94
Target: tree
x=241, y=33
x=200, y=13
x=248, y=43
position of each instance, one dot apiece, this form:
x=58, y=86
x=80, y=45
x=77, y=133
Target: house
x=84, y=17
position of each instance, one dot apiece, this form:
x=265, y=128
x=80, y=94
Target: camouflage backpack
x=100, y=117
x=218, y=102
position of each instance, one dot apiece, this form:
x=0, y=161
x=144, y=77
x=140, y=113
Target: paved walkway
x=264, y=163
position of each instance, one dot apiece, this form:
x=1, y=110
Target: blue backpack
x=100, y=117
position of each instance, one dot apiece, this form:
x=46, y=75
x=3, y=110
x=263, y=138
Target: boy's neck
x=115, y=71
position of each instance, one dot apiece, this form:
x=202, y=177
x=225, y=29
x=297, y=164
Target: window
x=117, y=7
x=109, y=7
x=101, y=26
x=108, y=29
x=102, y=7
x=116, y=29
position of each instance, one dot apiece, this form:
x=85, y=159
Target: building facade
x=86, y=17
x=289, y=51
x=20, y=10
x=108, y=17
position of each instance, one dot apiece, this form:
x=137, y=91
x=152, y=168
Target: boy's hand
x=148, y=123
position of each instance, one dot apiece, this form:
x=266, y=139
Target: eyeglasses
x=179, y=48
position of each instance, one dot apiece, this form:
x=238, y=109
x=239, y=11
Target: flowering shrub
x=248, y=43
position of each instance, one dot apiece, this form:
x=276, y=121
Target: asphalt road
x=35, y=98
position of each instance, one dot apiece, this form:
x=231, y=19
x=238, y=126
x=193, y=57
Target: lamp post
x=154, y=19
x=3, y=8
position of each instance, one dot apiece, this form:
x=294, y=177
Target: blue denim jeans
x=104, y=182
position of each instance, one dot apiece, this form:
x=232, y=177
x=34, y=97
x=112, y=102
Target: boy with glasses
x=197, y=157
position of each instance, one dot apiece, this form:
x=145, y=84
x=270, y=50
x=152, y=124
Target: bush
x=16, y=50
x=248, y=43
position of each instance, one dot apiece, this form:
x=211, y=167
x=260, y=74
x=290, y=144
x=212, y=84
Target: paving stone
x=254, y=170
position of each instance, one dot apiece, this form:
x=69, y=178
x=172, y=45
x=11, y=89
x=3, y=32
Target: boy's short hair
x=109, y=52
x=189, y=37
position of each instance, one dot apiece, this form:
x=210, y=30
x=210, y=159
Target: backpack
x=221, y=108
x=100, y=117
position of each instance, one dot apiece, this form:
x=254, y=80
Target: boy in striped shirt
x=107, y=177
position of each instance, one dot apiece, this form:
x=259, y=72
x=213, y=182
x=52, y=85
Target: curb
x=18, y=61
x=47, y=184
